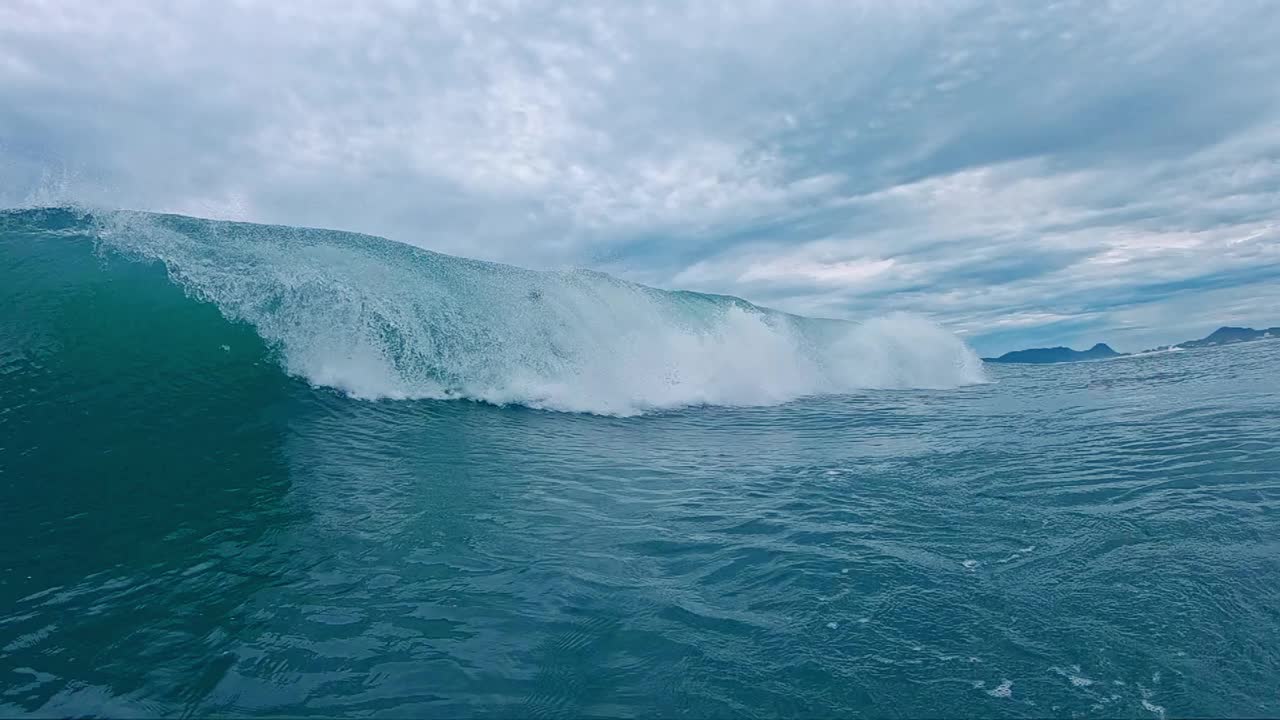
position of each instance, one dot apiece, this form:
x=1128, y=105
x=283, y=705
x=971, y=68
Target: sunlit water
x=187, y=529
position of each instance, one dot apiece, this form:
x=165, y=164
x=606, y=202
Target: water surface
x=190, y=529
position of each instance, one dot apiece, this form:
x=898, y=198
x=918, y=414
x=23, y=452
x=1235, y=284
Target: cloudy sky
x=1023, y=172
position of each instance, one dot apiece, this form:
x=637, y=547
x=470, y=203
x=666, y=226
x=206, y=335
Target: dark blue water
x=190, y=530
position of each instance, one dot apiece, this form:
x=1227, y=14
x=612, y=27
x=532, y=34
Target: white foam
x=376, y=319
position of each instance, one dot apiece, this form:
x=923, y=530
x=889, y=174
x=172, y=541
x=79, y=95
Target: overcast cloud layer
x=1025, y=173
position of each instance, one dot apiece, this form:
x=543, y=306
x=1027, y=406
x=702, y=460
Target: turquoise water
x=266, y=471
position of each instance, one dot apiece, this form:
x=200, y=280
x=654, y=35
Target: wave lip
x=378, y=319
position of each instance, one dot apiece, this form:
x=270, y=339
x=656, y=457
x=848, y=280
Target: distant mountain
x=1231, y=335
x=1222, y=336
x=1101, y=351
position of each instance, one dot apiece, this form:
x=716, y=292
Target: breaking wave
x=378, y=319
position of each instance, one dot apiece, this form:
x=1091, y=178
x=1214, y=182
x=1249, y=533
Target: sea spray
x=378, y=319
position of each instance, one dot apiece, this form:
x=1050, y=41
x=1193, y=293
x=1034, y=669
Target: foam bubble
x=1003, y=690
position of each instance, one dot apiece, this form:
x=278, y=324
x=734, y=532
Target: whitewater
x=379, y=319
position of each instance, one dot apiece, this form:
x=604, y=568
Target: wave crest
x=379, y=319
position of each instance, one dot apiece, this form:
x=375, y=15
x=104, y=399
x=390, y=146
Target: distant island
x=1226, y=336
x=1102, y=351
x=1056, y=355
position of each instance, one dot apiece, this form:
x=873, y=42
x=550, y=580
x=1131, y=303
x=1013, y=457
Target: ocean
x=262, y=471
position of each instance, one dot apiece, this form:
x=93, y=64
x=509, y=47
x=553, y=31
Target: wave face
x=378, y=319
